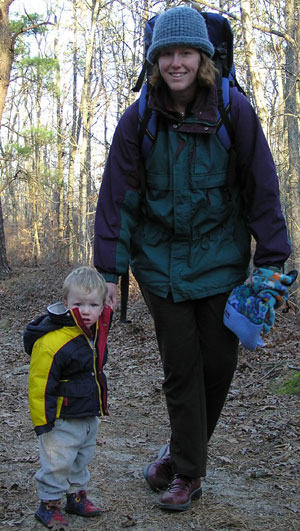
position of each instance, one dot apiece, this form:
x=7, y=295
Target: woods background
x=66, y=77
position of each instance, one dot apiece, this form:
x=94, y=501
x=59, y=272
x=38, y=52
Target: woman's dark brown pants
x=199, y=357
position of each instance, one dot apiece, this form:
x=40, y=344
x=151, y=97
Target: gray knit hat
x=183, y=26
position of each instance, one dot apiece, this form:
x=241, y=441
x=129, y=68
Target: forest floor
x=253, y=480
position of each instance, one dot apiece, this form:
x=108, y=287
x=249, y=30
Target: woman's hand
x=112, y=295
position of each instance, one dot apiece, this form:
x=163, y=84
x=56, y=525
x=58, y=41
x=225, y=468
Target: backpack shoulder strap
x=147, y=123
x=225, y=130
x=140, y=80
x=147, y=42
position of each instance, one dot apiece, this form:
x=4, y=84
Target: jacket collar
x=60, y=315
x=204, y=108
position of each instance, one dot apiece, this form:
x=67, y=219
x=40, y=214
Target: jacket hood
x=56, y=317
x=59, y=314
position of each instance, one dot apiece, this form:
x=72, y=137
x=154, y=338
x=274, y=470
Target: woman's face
x=179, y=66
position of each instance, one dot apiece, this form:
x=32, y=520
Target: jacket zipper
x=94, y=351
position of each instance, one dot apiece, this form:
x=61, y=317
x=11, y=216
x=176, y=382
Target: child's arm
x=44, y=378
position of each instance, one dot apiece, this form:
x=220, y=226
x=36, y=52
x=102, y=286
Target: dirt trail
x=254, y=473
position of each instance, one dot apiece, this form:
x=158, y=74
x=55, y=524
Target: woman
x=187, y=242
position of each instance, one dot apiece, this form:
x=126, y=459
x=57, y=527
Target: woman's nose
x=175, y=60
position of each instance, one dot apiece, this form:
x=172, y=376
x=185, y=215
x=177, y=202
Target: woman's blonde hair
x=206, y=73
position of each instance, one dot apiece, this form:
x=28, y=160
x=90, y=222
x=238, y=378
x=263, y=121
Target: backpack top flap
x=221, y=35
x=147, y=42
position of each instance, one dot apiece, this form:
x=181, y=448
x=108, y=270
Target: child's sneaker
x=49, y=514
x=79, y=504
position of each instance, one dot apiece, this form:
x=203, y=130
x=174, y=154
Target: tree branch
x=264, y=29
x=28, y=28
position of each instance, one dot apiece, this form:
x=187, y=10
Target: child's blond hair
x=86, y=279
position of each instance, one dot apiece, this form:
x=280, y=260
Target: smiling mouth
x=177, y=75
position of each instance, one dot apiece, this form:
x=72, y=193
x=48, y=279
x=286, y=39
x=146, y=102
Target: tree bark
x=4, y=267
x=6, y=52
x=75, y=131
x=250, y=49
x=61, y=244
x=87, y=107
x=6, y=59
x=291, y=116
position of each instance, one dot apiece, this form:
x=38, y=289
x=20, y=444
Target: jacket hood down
x=56, y=317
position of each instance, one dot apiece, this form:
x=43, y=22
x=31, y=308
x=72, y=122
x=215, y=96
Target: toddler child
x=67, y=393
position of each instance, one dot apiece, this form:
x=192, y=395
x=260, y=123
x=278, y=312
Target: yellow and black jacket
x=66, y=378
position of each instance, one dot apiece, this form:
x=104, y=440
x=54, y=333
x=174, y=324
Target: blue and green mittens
x=250, y=308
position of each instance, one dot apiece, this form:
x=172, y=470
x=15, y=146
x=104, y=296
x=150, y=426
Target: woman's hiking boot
x=159, y=473
x=180, y=493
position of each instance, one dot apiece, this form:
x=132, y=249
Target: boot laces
x=179, y=482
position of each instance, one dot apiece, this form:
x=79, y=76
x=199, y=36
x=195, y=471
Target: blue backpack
x=221, y=35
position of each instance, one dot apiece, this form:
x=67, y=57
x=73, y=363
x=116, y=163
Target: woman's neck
x=181, y=99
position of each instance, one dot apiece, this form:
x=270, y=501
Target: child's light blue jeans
x=65, y=453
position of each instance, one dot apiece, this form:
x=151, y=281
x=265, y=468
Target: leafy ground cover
x=253, y=476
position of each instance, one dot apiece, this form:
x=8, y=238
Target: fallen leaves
x=254, y=454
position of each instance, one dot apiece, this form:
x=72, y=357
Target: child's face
x=89, y=304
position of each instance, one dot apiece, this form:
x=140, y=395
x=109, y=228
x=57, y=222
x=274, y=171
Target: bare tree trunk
x=106, y=100
x=34, y=210
x=6, y=52
x=75, y=131
x=292, y=113
x=279, y=148
x=60, y=176
x=4, y=267
x=250, y=49
x=87, y=112
x=6, y=59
